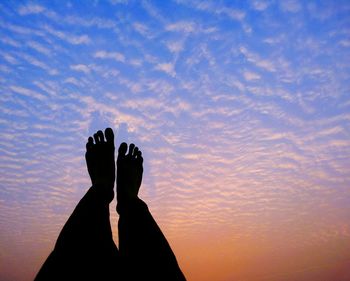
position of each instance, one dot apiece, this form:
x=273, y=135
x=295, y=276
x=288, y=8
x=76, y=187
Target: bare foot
x=100, y=161
x=129, y=172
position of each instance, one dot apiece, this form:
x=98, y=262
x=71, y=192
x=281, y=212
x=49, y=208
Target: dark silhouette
x=85, y=249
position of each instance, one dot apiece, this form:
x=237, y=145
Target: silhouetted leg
x=142, y=245
x=85, y=249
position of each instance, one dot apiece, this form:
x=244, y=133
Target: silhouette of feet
x=100, y=161
x=129, y=172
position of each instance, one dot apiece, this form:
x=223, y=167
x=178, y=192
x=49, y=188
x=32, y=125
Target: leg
x=85, y=249
x=142, y=245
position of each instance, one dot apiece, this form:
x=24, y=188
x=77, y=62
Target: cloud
x=30, y=9
x=9, y=58
x=254, y=58
x=189, y=27
x=167, y=68
x=142, y=29
x=105, y=71
x=21, y=29
x=27, y=92
x=74, y=81
x=90, y=22
x=182, y=26
x=35, y=9
x=72, y=20
x=38, y=63
x=232, y=13
x=116, y=116
x=110, y=55
x=250, y=76
x=133, y=86
x=292, y=6
x=10, y=41
x=81, y=68
x=116, y=2
x=175, y=46
x=4, y=68
x=216, y=9
x=260, y=5
x=274, y=40
x=40, y=48
x=153, y=11
x=72, y=39
x=344, y=43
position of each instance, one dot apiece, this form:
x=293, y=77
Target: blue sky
x=241, y=109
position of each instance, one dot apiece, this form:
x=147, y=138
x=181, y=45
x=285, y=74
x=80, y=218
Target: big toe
x=109, y=135
x=100, y=136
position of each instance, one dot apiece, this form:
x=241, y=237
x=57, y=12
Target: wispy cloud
x=142, y=29
x=167, y=68
x=182, y=26
x=292, y=6
x=31, y=9
x=175, y=46
x=90, y=22
x=72, y=39
x=254, y=58
x=251, y=76
x=37, y=63
x=116, y=2
x=260, y=5
x=110, y=55
x=39, y=47
x=9, y=58
x=36, y=9
x=81, y=68
x=10, y=41
x=215, y=8
x=27, y=92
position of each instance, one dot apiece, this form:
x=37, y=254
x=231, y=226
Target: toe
x=131, y=149
x=122, y=150
x=89, y=144
x=136, y=150
x=96, y=138
x=109, y=135
x=139, y=157
x=100, y=136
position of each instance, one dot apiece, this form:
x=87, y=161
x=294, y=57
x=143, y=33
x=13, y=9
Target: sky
x=241, y=110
